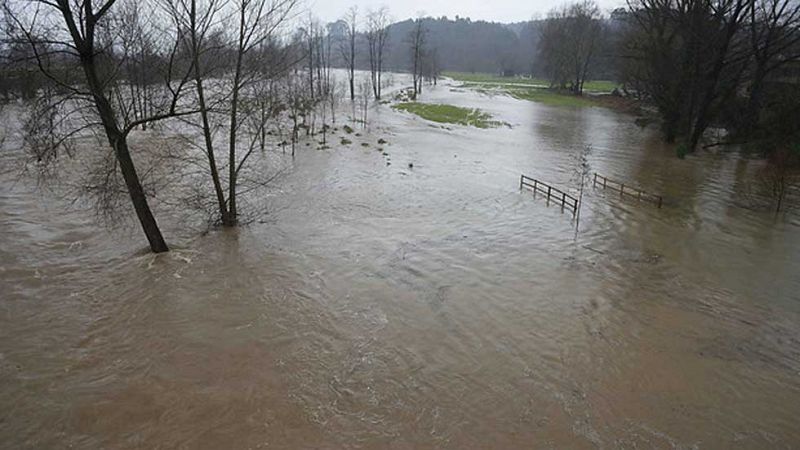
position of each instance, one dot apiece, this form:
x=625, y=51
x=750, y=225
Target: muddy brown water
x=379, y=306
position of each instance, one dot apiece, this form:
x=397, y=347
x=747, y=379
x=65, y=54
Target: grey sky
x=490, y=10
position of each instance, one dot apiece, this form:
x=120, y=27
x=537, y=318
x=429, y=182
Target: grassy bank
x=540, y=95
x=449, y=114
x=533, y=89
x=552, y=98
x=485, y=79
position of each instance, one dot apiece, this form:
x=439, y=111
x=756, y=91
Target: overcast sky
x=489, y=10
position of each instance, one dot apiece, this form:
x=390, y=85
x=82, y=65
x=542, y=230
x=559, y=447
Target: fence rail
x=624, y=190
x=557, y=195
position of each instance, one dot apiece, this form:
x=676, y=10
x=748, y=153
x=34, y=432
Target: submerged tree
x=197, y=21
x=377, y=37
x=231, y=48
x=690, y=57
x=347, y=47
x=84, y=34
x=417, y=42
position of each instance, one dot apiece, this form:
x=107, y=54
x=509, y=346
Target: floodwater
x=382, y=306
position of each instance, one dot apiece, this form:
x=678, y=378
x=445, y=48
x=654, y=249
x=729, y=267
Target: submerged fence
x=627, y=190
x=552, y=193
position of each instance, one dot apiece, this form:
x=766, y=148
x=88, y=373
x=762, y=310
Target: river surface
x=383, y=306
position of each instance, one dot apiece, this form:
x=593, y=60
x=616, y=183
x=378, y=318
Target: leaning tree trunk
x=139, y=199
x=119, y=143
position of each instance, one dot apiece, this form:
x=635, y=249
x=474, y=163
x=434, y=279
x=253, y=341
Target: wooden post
x=604, y=182
x=548, y=194
x=621, y=189
x=594, y=183
x=659, y=201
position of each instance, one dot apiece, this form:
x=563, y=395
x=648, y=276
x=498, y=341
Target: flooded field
x=436, y=306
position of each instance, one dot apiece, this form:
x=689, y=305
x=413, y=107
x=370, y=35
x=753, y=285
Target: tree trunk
x=119, y=143
x=352, y=85
x=232, y=213
x=139, y=199
x=212, y=163
x=237, y=74
x=380, y=69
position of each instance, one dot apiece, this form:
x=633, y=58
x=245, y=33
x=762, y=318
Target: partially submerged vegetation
x=449, y=114
x=486, y=80
x=552, y=97
x=533, y=89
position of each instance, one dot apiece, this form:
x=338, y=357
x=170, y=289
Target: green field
x=551, y=98
x=449, y=114
x=533, y=89
x=485, y=79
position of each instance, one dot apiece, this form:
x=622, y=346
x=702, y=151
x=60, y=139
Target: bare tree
x=196, y=21
x=79, y=32
x=333, y=97
x=314, y=54
x=431, y=66
x=417, y=41
x=377, y=38
x=568, y=43
x=347, y=47
x=297, y=104
x=364, y=97
x=230, y=43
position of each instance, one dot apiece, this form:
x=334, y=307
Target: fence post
x=621, y=189
x=548, y=194
x=659, y=201
x=604, y=182
x=594, y=183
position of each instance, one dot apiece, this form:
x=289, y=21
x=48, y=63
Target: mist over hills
x=464, y=45
x=460, y=45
